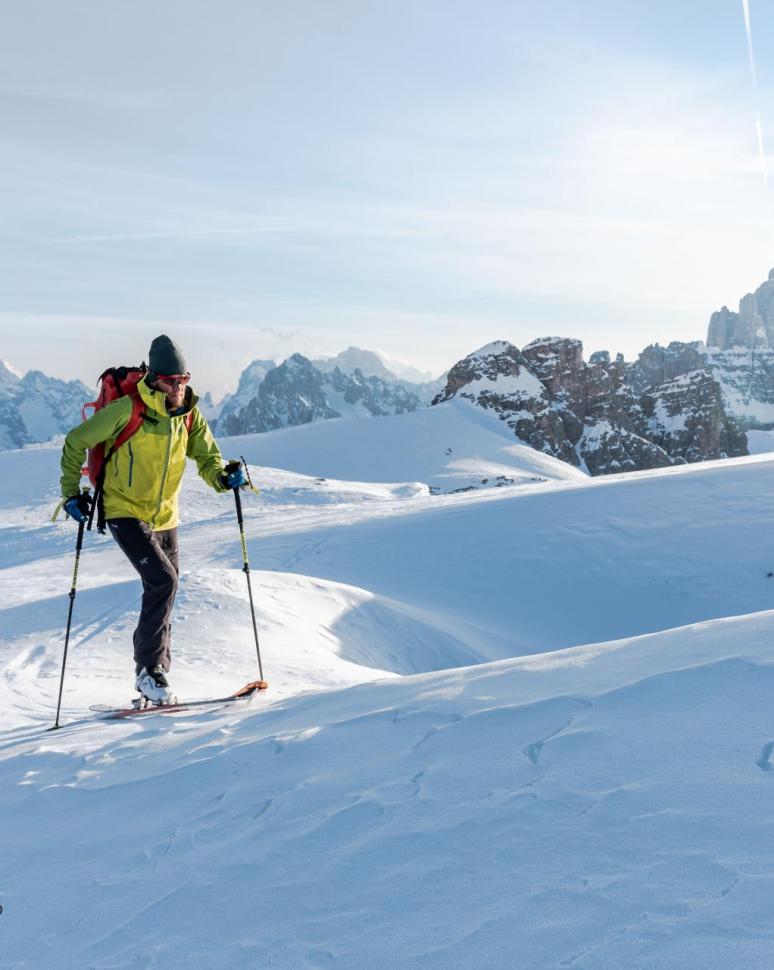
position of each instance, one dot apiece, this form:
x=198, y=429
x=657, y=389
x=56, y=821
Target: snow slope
x=526, y=726
x=595, y=808
x=450, y=446
x=760, y=442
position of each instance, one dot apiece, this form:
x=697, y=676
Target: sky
x=420, y=177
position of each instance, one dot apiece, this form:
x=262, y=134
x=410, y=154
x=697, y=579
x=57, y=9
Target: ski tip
x=252, y=687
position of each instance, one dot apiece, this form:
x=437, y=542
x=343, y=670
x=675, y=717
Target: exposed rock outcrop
x=752, y=327
x=602, y=415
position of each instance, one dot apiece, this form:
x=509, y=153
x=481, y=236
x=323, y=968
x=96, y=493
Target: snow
x=760, y=442
x=9, y=375
x=493, y=349
x=523, y=384
x=665, y=422
x=594, y=433
x=449, y=446
x=526, y=726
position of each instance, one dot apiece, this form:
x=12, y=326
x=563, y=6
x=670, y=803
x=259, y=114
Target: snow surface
x=449, y=446
x=760, y=442
x=527, y=726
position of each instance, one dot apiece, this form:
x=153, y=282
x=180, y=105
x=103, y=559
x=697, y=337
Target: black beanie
x=165, y=357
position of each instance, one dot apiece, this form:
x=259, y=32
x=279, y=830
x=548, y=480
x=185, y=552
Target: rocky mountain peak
x=488, y=365
x=254, y=373
x=752, y=327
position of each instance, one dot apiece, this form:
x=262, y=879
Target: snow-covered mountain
x=527, y=727
x=249, y=381
x=405, y=371
x=35, y=407
x=369, y=363
x=372, y=363
x=595, y=415
x=297, y=392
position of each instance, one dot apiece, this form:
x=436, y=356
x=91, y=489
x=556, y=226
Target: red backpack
x=116, y=382
x=119, y=382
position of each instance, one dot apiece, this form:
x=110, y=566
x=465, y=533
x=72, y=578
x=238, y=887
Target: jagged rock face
x=745, y=376
x=378, y=397
x=297, y=392
x=288, y=395
x=752, y=327
x=498, y=378
x=558, y=364
x=35, y=407
x=656, y=364
x=608, y=450
x=250, y=380
x=592, y=414
x=499, y=359
x=688, y=420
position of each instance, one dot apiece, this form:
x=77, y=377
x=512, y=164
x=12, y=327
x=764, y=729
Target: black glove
x=78, y=507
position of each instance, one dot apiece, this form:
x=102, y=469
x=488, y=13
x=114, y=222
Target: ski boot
x=153, y=687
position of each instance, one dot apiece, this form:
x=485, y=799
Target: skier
x=140, y=492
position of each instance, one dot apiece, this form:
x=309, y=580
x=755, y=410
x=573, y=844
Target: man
x=140, y=492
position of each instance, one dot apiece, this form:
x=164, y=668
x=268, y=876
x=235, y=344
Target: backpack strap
x=136, y=418
x=139, y=411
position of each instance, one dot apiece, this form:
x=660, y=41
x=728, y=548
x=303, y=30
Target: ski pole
x=78, y=547
x=232, y=467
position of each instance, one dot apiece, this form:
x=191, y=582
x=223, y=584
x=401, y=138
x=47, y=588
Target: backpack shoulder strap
x=136, y=418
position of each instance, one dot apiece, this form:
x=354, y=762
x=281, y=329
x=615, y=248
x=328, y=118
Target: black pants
x=154, y=556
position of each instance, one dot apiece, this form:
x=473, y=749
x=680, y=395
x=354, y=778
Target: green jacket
x=143, y=478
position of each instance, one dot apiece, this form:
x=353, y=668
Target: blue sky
x=416, y=177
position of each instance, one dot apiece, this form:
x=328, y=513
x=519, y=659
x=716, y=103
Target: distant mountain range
x=686, y=402
x=35, y=408
x=354, y=384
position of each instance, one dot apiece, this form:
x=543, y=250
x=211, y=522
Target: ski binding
x=141, y=705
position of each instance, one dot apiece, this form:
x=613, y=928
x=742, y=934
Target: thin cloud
x=171, y=234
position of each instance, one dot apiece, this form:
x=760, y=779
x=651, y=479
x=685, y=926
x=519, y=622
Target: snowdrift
x=596, y=807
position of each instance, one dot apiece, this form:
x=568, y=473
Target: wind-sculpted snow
x=522, y=726
x=597, y=808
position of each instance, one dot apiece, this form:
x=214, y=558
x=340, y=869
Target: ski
x=116, y=713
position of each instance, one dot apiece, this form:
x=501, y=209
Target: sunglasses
x=173, y=379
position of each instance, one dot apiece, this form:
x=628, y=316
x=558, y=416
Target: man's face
x=174, y=387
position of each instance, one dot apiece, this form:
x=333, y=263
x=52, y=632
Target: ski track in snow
x=526, y=726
